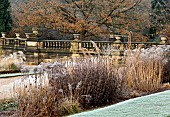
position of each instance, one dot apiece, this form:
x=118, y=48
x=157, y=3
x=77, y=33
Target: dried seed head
x=79, y=85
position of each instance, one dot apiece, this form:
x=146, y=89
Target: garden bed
x=112, y=109
x=81, y=84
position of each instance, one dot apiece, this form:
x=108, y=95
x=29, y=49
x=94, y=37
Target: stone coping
x=13, y=75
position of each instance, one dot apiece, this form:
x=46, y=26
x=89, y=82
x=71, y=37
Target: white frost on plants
x=160, y=52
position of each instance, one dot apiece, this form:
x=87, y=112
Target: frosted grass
x=154, y=105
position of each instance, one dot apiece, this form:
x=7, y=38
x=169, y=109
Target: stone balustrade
x=32, y=44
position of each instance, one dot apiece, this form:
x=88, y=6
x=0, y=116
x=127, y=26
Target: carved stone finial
x=118, y=38
x=76, y=36
x=28, y=35
x=35, y=31
x=111, y=36
x=163, y=40
x=17, y=35
x=3, y=34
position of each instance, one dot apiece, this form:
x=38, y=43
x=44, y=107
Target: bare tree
x=87, y=17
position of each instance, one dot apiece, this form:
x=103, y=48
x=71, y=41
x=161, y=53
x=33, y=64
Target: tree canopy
x=87, y=17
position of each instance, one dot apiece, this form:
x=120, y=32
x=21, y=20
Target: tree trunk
x=83, y=35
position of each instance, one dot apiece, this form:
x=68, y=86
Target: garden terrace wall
x=36, y=50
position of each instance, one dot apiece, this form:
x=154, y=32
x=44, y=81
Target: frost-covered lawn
x=155, y=105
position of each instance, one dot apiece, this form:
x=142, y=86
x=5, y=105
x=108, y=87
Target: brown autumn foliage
x=87, y=17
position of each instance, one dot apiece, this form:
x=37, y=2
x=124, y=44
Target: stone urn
x=76, y=36
x=28, y=35
x=111, y=36
x=35, y=31
x=118, y=38
x=17, y=35
x=3, y=34
x=163, y=40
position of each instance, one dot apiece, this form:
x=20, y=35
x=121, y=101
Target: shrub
x=146, y=69
x=94, y=80
x=73, y=86
x=82, y=83
x=159, y=53
x=12, y=62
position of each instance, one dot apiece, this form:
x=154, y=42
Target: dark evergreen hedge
x=5, y=16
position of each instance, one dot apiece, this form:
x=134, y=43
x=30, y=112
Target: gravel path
x=6, y=86
x=6, y=81
x=154, y=105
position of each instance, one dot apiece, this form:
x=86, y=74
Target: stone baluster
x=2, y=41
x=41, y=45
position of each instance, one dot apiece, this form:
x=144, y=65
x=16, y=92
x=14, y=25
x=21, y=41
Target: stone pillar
x=118, y=49
x=2, y=41
x=75, y=45
x=118, y=40
x=117, y=44
x=33, y=44
x=16, y=40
